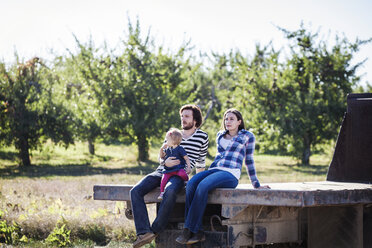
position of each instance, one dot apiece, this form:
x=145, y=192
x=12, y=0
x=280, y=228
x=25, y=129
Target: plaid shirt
x=241, y=148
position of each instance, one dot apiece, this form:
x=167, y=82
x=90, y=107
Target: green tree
x=304, y=98
x=254, y=76
x=363, y=89
x=87, y=83
x=133, y=91
x=207, y=85
x=147, y=85
x=29, y=113
x=213, y=88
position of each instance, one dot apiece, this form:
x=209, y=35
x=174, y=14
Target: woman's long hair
x=238, y=116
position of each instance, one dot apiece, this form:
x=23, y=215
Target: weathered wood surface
x=299, y=194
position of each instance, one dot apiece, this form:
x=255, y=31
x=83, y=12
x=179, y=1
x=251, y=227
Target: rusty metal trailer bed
x=312, y=214
x=333, y=213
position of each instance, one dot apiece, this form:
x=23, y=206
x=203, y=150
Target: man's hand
x=171, y=162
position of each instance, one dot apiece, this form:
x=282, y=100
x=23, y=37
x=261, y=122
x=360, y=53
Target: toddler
x=172, y=148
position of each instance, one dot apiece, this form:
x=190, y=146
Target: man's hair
x=238, y=116
x=175, y=135
x=196, y=113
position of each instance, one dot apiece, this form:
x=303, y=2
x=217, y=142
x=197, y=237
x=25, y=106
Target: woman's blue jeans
x=197, y=190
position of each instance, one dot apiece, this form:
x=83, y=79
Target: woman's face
x=231, y=122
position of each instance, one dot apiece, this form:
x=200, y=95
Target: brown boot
x=184, y=237
x=143, y=239
x=197, y=237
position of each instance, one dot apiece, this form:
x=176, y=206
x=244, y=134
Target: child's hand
x=165, y=146
x=188, y=170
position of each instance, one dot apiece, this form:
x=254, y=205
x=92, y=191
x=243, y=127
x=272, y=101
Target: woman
x=234, y=144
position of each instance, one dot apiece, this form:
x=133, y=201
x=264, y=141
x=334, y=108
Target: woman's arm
x=249, y=161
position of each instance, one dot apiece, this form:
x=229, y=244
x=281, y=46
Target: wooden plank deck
x=298, y=194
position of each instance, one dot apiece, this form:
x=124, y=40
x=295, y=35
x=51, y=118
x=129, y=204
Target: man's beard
x=187, y=126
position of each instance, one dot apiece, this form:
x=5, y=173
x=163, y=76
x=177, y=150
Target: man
x=195, y=142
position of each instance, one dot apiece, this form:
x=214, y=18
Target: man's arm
x=202, y=155
x=171, y=161
x=188, y=164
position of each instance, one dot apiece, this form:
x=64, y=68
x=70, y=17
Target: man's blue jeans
x=140, y=214
x=197, y=190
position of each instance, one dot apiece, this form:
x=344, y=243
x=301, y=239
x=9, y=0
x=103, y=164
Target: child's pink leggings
x=181, y=173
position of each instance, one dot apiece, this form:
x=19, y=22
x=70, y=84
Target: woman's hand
x=171, y=162
x=188, y=170
x=264, y=187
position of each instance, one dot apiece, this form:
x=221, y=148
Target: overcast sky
x=33, y=27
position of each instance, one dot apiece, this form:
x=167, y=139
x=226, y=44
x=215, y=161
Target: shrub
x=60, y=236
x=10, y=233
x=93, y=232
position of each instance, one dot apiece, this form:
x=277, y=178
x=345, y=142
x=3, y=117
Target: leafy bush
x=10, y=233
x=95, y=233
x=60, y=236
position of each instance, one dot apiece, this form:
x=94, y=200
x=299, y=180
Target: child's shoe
x=160, y=197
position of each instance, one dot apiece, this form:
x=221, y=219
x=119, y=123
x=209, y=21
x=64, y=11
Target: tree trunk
x=91, y=146
x=307, y=152
x=143, y=147
x=24, y=154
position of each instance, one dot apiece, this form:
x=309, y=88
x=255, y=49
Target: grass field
x=58, y=189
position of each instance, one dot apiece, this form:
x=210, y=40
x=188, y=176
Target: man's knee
x=174, y=186
x=135, y=192
x=171, y=191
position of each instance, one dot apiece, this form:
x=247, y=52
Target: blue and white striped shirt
x=240, y=148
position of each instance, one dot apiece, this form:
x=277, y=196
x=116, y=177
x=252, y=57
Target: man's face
x=187, y=119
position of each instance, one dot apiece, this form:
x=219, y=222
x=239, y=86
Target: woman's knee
x=201, y=191
x=191, y=186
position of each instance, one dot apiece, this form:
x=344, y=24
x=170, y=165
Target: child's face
x=169, y=141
